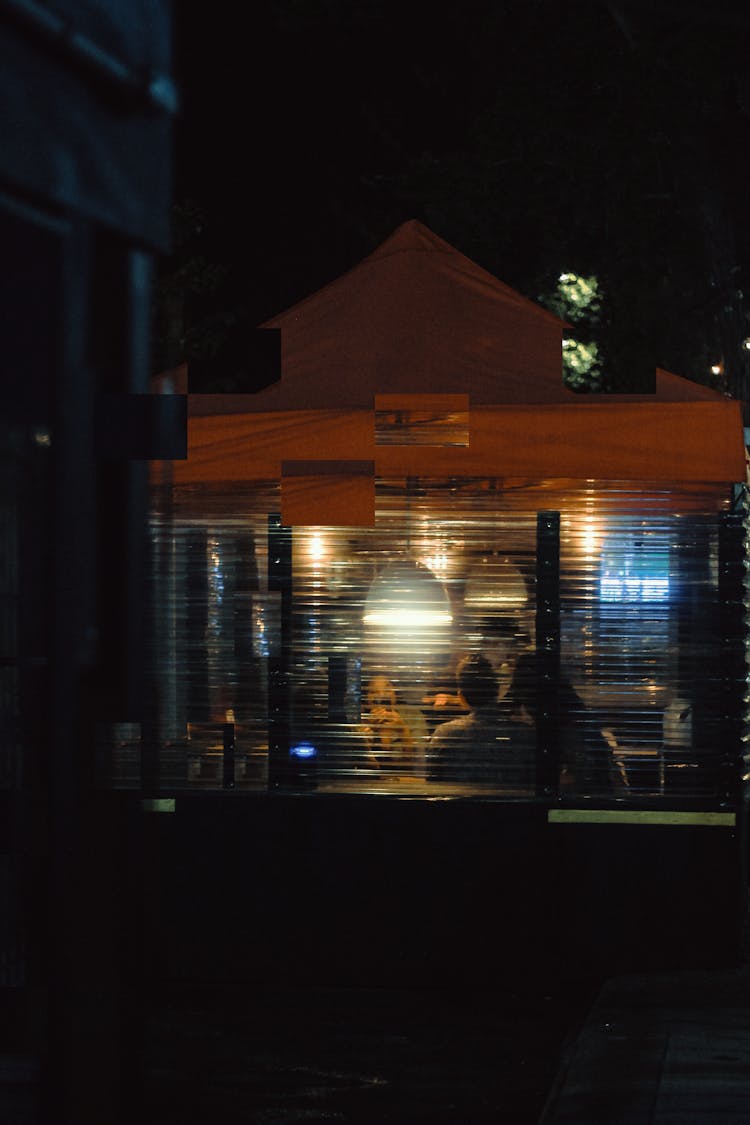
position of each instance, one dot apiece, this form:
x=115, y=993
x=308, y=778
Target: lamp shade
x=406, y=598
x=495, y=586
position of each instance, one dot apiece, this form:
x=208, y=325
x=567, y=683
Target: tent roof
x=417, y=318
x=669, y=388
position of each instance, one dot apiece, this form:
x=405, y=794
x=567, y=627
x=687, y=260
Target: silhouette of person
x=484, y=747
x=584, y=752
x=390, y=741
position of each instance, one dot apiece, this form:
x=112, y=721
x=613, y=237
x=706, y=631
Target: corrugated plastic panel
x=408, y=657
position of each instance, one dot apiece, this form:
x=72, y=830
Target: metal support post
x=279, y=666
x=548, y=652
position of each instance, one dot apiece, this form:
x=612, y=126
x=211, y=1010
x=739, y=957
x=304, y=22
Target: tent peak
x=412, y=235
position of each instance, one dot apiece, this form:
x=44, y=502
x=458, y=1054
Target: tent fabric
x=669, y=388
x=671, y=442
x=418, y=317
x=343, y=495
x=415, y=317
x=418, y=320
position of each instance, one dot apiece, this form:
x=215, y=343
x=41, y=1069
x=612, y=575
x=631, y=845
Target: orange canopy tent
x=417, y=328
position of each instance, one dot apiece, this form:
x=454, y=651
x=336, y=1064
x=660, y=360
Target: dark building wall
x=393, y=892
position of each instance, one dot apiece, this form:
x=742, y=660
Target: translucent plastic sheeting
x=406, y=657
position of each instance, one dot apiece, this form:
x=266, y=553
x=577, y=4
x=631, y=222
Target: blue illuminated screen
x=631, y=576
x=303, y=750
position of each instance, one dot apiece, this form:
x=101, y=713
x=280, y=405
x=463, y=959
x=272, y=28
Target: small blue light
x=303, y=750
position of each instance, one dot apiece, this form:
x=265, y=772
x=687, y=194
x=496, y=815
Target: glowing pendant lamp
x=495, y=585
x=406, y=598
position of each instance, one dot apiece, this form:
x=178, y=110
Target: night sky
x=607, y=138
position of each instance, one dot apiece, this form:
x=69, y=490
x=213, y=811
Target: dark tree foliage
x=608, y=139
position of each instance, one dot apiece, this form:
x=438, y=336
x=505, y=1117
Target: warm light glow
x=316, y=547
x=715, y=369
x=486, y=598
x=437, y=563
x=746, y=343
x=590, y=537
x=440, y=552
x=405, y=618
x=495, y=584
x=408, y=605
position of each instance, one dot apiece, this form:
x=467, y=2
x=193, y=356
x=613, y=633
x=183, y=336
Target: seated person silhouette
x=484, y=747
x=499, y=641
x=390, y=742
x=585, y=757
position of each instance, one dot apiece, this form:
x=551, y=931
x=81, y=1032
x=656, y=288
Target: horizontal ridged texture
x=327, y=658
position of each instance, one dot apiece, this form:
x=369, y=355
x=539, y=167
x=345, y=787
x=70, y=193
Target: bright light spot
x=303, y=750
x=746, y=343
x=438, y=562
x=408, y=618
x=43, y=438
x=715, y=369
x=629, y=588
x=590, y=537
x=316, y=547
x=479, y=598
x=406, y=602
